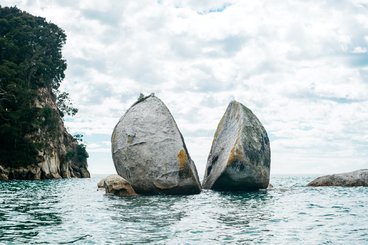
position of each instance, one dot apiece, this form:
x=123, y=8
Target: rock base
x=37, y=172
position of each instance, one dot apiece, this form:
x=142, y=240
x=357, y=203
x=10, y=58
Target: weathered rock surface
x=149, y=151
x=355, y=178
x=240, y=154
x=101, y=183
x=59, y=160
x=117, y=185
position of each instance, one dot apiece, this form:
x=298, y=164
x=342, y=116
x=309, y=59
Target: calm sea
x=74, y=212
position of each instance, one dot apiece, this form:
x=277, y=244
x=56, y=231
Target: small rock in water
x=117, y=185
x=3, y=173
x=240, y=154
x=149, y=151
x=355, y=178
x=101, y=183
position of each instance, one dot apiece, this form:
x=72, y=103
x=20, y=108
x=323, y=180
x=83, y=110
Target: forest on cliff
x=31, y=67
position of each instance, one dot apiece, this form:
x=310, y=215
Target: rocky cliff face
x=60, y=157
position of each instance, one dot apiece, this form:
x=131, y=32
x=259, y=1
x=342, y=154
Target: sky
x=300, y=66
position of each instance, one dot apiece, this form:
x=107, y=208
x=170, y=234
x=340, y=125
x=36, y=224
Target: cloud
x=300, y=66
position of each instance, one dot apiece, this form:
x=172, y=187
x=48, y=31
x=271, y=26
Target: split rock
x=240, y=155
x=149, y=151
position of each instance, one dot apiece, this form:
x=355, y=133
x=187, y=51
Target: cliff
x=61, y=155
x=34, y=143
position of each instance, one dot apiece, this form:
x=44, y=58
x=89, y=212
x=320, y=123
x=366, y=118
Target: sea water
x=72, y=211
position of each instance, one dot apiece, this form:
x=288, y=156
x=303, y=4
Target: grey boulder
x=118, y=186
x=240, y=155
x=149, y=151
x=355, y=178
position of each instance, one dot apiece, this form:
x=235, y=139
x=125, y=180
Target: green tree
x=80, y=152
x=30, y=60
x=65, y=105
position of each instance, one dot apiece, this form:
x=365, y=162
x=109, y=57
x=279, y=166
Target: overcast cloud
x=300, y=66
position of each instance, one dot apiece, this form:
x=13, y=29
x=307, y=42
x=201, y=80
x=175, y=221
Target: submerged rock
x=240, y=154
x=355, y=178
x=149, y=151
x=118, y=186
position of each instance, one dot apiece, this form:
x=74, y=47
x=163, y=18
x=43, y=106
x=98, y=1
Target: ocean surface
x=74, y=212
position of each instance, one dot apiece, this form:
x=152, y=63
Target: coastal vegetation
x=31, y=103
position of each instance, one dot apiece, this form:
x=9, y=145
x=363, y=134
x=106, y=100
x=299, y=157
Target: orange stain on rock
x=182, y=156
x=232, y=157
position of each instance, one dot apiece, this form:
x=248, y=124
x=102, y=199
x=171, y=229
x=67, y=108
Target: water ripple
x=74, y=212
